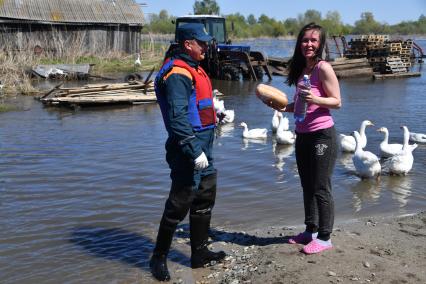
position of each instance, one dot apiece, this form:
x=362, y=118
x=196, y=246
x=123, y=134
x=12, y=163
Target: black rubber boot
x=158, y=265
x=201, y=255
x=204, y=256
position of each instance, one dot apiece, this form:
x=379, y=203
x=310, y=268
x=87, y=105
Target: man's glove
x=201, y=162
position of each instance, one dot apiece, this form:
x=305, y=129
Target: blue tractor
x=224, y=60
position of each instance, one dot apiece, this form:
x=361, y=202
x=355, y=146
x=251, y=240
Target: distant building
x=61, y=26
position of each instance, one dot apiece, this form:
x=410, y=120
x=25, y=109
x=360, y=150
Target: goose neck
x=386, y=138
x=406, y=138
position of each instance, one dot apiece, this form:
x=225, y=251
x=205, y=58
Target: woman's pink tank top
x=316, y=117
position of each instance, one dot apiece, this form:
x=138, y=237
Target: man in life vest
x=184, y=94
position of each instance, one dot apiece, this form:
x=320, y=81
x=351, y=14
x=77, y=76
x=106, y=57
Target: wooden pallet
x=101, y=94
x=395, y=76
x=395, y=65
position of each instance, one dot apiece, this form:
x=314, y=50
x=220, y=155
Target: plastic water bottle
x=300, y=105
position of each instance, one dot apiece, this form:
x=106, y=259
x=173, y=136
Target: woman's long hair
x=298, y=61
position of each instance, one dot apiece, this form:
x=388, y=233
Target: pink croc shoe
x=315, y=247
x=302, y=238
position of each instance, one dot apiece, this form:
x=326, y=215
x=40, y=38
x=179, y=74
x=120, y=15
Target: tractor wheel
x=130, y=78
x=230, y=73
x=246, y=75
x=259, y=72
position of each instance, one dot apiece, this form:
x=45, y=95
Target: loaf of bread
x=271, y=96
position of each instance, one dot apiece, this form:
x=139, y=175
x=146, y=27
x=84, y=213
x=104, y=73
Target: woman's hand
x=305, y=94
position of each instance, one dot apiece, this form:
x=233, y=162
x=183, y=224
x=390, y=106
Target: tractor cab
x=215, y=25
x=224, y=60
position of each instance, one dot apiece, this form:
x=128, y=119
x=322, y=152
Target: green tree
x=422, y=25
x=310, y=16
x=161, y=23
x=263, y=19
x=292, y=26
x=271, y=27
x=367, y=24
x=209, y=7
x=251, y=19
x=332, y=23
x=237, y=26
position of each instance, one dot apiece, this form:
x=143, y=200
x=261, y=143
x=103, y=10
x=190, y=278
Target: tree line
x=239, y=26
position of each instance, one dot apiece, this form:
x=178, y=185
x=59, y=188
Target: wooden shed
x=61, y=26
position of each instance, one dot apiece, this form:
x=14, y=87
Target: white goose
x=223, y=115
x=402, y=163
x=276, y=120
x=284, y=136
x=286, y=123
x=138, y=60
x=219, y=105
x=388, y=150
x=217, y=93
x=418, y=137
x=256, y=133
x=367, y=164
x=347, y=142
x=229, y=116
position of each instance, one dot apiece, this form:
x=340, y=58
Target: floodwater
x=82, y=192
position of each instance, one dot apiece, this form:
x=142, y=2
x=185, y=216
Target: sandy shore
x=379, y=250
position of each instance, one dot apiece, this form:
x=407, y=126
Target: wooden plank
x=351, y=66
x=103, y=99
x=398, y=75
x=348, y=61
x=278, y=70
x=360, y=72
x=109, y=92
x=97, y=89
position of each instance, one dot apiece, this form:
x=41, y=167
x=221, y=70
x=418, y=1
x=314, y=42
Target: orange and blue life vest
x=201, y=112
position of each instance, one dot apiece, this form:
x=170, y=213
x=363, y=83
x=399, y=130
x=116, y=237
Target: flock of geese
x=398, y=156
x=280, y=127
x=280, y=123
x=367, y=165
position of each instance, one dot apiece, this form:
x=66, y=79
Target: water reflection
x=365, y=191
x=225, y=130
x=400, y=187
x=114, y=243
x=253, y=142
x=281, y=152
x=346, y=160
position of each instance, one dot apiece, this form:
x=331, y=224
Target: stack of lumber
x=394, y=65
x=345, y=68
x=361, y=46
x=405, y=52
x=381, y=51
x=98, y=94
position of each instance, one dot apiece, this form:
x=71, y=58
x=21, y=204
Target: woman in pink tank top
x=316, y=147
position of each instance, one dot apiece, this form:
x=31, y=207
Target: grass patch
x=6, y=107
x=112, y=63
x=15, y=67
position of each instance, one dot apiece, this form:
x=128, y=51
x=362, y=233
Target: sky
x=384, y=11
